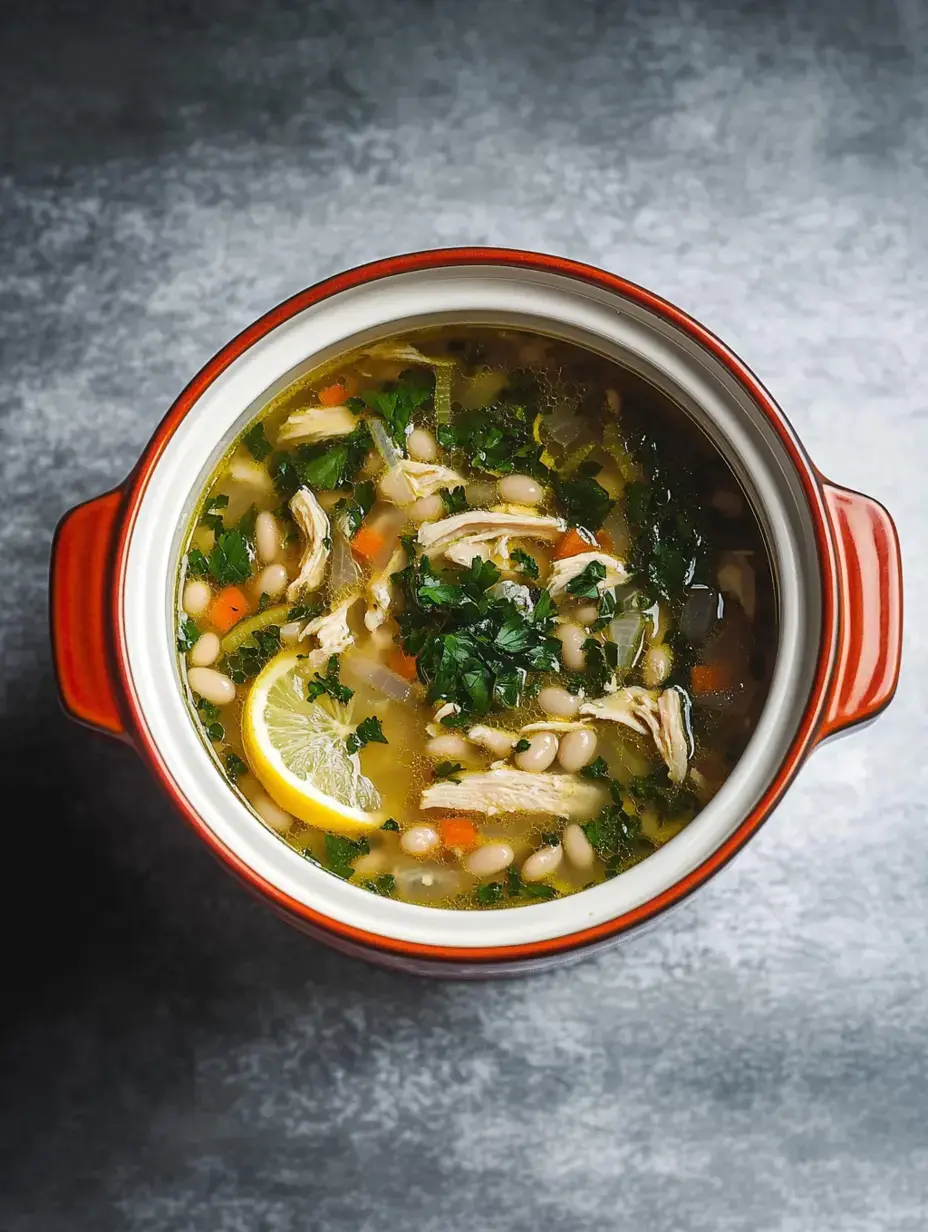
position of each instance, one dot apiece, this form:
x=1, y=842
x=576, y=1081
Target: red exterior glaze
x=82, y=557
x=869, y=651
x=827, y=704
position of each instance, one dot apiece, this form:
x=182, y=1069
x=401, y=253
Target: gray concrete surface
x=173, y=1056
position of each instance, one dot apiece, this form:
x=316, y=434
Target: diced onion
x=358, y=669
x=345, y=570
x=384, y=444
x=627, y=632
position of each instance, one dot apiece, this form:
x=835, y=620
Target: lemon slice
x=296, y=748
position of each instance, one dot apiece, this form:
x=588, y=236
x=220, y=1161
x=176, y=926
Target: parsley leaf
x=490, y=894
x=229, y=560
x=329, y=684
x=368, y=731
x=668, y=547
x=389, y=824
x=251, y=656
x=522, y=745
x=396, y=405
x=455, y=501
x=340, y=853
x=256, y=442
x=304, y=611
x=197, y=564
x=527, y=564
x=349, y=513
x=324, y=466
x=187, y=635
x=586, y=584
x=211, y=515
x=597, y=769
x=383, y=885
x=448, y=770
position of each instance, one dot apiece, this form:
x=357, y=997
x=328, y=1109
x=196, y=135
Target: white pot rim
x=553, y=296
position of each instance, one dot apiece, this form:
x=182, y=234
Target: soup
x=474, y=618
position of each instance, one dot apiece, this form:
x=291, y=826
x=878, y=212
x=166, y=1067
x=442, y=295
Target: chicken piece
x=673, y=743
x=516, y=791
x=401, y=351
x=314, y=523
x=495, y=740
x=317, y=423
x=647, y=712
x=251, y=474
x=564, y=571
x=479, y=526
x=380, y=592
x=435, y=728
x=463, y=552
x=555, y=725
x=332, y=632
x=408, y=480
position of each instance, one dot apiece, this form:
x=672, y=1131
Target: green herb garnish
x=454, y=500
x=448, y=770
x=368, y=731
x=522, y=745
x=234, y=766
x=256, y=442
x=586, y=584
x=329, y=685
x=397, y=404
x=585, y=502
x=527, y=564
x=390, y=824
x=229, y=561
x=341, y=852
x=187, y=635
x=384, y=885
x=350, y=513
x=197, y=564
x=490, y=894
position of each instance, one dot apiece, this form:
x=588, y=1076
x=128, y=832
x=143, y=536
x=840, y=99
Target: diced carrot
x=572, y=544
x=711, y=677
x=605, y=541
x=457, y=832
x=368, y=542
x=335, y=395
x=228, y=608
x=403, y=664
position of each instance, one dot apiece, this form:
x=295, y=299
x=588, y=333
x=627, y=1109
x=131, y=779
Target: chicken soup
x=474, y=618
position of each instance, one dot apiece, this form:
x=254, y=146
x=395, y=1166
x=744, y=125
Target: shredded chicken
x=331, y=631
x=649, y=713
x=314, y=523
x=408, y=480
x=402, y=352
x=317, y=423
x=435, y=728
x=380, y=592
x=517, y=791
x=555, y=725
x=463, y=551
x=495, y=739
x=479, y=526
x=564, y=571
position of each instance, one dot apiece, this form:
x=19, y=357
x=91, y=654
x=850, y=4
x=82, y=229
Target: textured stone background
x=174, y=1057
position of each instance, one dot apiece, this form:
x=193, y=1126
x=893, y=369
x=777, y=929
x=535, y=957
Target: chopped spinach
x=384, y=884
x=304, y=611
x=325, y=466
x=586, y=584
x=585, y=502
x=597, y=769
x=251, y=656
x=668, y=547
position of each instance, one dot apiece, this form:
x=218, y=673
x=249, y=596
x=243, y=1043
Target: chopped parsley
x=490, y=894
x=397, y=404
x=197, y=564
x=368, y=731
x=522, y=745
x=304, y=611
x=668, y=547
x=187, y=635
x=211, y=515
x=234, y=766
x=209, y=717
x=341, y=852
x=390, y=824
x=517, y=888
x=252, y=655
x=585, y=502
x=586, y=584
x=597, y=769
x=230, y=560
x=454, y=500
x=448, y=770
x=527, y=564
x=384, y=885
x=329, y=685
x=349, y=513
x=256, y=442
x=499, y=438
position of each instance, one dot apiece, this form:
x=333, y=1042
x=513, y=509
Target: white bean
x=541, y=752
x=587, y=613
x=656, y=664
x=420, y=841
x=212, y=685
x=572, y=638
x=542, y=863
x=521, y=490
x=427, y=509
x=489, y=859
x=270, y=812
x=558, y=702
x=205, y=651
x=267, y=536
x=272, y=580
x=451, y=748
x=577, y=749
x=290, y=633
x=577, y=846
x=420, y=445
x=197, y=598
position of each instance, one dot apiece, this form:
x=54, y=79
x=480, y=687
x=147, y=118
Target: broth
x=475, y=618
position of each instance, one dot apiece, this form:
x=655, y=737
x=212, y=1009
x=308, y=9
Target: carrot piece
x=572, y=544
x=605, y=541
x=403, y=664
x=711, y=677
x=228, y=608
x=368, y=542
x=457, y=832
x=335, y=395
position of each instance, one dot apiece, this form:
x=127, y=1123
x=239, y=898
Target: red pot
x=835, y=555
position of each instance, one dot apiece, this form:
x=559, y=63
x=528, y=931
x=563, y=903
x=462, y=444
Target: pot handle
x=80, y=591
x=869, y=650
